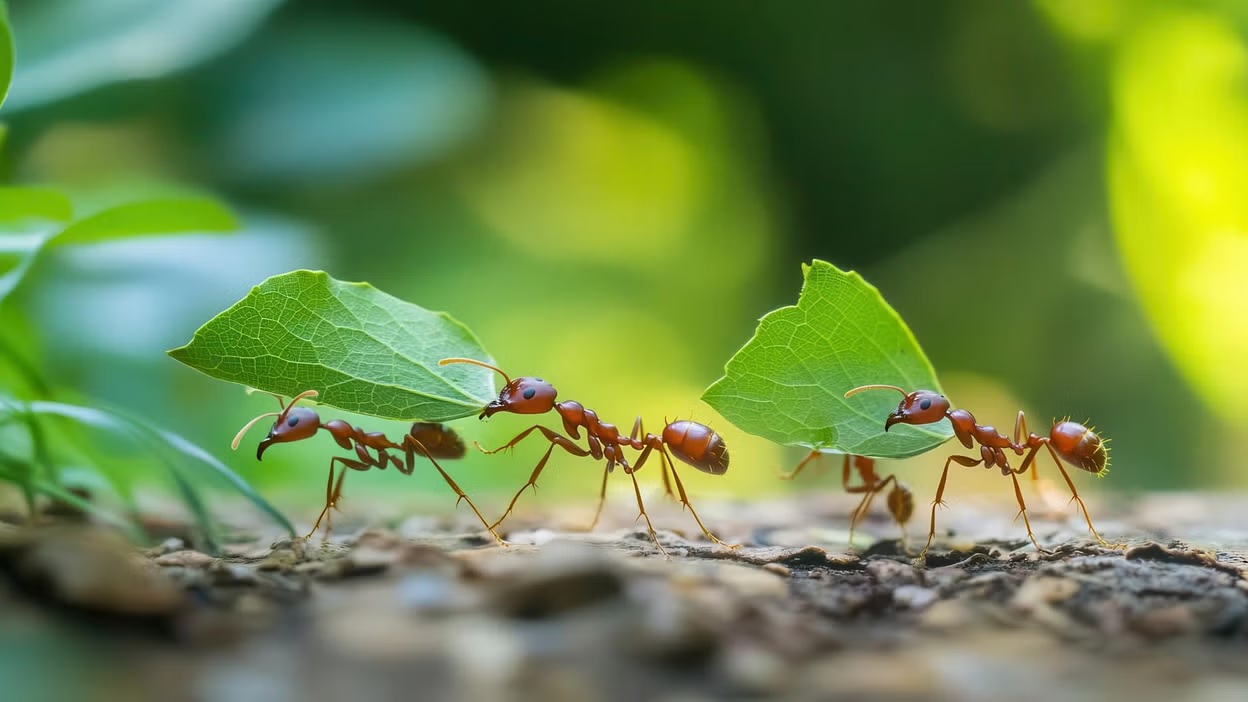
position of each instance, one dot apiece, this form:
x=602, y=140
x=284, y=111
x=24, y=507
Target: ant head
x=918, y=407
x=292, y=424
x=523, y=396
x=519, y=396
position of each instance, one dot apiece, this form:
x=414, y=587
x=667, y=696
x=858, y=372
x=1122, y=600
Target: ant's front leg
x=555, y=439
x=680, y=488
x=333, y=491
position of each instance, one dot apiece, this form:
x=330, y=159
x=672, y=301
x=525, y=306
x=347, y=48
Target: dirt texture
x=431, y=611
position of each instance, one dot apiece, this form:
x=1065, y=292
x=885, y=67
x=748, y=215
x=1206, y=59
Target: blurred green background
x=610, y=195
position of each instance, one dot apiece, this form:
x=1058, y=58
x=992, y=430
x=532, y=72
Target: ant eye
x=529, y=393
x=925, y=404
x=292, y=421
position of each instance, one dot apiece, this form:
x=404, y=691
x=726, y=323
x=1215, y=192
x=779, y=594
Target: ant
x=1067, y=440
x=693, y=443
x=900, y=500
x=427, y=439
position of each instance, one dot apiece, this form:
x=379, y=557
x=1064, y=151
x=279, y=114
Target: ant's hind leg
x=1075, y=497
x=684, y=499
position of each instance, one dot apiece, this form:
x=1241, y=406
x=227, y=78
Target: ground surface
x=422, y=611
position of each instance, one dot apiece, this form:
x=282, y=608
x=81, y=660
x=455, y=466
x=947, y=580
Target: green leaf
x=788, y=383
x=363, y=350
x=189, y=215
x=6, y=53
x=72, y=46
x=161, y=440
x=21, y=247
x=403, y=95
x=18, y=204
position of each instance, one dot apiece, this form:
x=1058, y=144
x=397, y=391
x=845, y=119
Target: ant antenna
x=241, y=432
x=475, y=362
x=860, y=388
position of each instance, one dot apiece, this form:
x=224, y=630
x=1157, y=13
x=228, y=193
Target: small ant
x=693, y=443
x=1069, y=441
x=900, y=500
x=428, y=439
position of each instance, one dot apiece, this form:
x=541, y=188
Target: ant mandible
x=1067, y=440
x=427, y=439
x=900, y=500
x=693, y=443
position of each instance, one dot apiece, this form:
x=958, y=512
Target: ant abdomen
x=901, y=503
x=1079, y=446
x=698, y=445
x=440, y=440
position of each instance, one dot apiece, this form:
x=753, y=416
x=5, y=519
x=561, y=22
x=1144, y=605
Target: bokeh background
x=610, y=195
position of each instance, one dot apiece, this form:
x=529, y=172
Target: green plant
x=788, y=383
x=35, y=222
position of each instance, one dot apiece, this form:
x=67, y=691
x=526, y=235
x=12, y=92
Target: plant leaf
x=22, y=246
x=163, y=440
x=18, y=204
x=6, y=52
x=363, y=350
x=72, y=46
x=788, y=383
x=179, y=215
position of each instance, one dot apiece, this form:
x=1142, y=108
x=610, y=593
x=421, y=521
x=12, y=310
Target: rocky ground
x=422, y=611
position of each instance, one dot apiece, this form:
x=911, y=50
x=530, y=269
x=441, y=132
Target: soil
x=428, y=610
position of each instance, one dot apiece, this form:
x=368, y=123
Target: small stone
x=914, y=596
x=751, y=583
x=778, y=568
x=1167, y=622
x=427, y=592
x=279, y=559
x=171, y=544
x=186, y=558
x=888, y=572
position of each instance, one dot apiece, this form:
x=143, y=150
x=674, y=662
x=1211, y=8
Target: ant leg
x=331, y=494
x=532, y=481
x=411, y=445
x=813, y=455
x=602, y=498
x=552, y=436
x=1022, y=511
x=940, y=491
x=1075, y=496
x=642, y=507
x=680, y=487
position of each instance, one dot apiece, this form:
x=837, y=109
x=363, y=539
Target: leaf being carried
x=788, y=383
x=363, y=350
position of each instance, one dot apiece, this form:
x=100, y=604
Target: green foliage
x=30, y=224
x=788, y=383
x=32, y=221
x=402, y=96
x=363, y=350
x=164, y=445
x=72, y=46
x=6, y=53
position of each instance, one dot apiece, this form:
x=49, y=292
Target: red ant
x=900, y=500
x=428, y=439
x=693, y=443
x=1071, y=441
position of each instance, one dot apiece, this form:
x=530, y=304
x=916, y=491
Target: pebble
x=185, y=557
